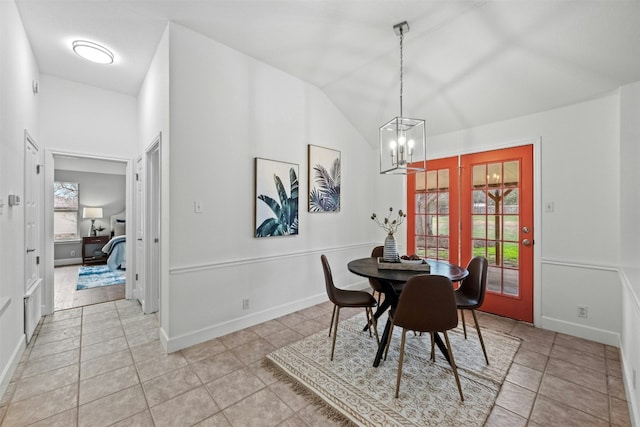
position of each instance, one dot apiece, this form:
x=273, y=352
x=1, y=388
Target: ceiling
x=466, y=63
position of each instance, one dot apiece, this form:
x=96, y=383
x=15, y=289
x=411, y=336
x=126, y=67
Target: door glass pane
x=480, y=248
x=432, y=203
x=420, y=246
x=494, y=279
x=443, y=225
x=494, y=174
x=479, y=202
x=443, y=248
x=479, y=226
x=420, y=181
x=432, y=180
x=443, y=203
x=479, y=176
x=494, y=199
x=510, y=255
x=511, y=228
x=443, y=179
x=510, y=285
x=511, y=201
x=432, y=247
x=420, y=203
x=511, y=173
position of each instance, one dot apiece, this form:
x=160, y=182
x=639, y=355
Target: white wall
x=18, y=111
x=227, y=109
x=153, y=113
x=630, y=241
x=579, y=171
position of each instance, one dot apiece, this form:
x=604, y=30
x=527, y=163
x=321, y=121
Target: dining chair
x=346, y=298
x=427, y=304
x=470, y=295
x=375, y=284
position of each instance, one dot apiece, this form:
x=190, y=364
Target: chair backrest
x=375, y=283
x=427, y=304
x=328, y=279
x=475, y=284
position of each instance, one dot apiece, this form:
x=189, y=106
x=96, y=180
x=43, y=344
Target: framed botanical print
x=324, y=179
x=276, y=198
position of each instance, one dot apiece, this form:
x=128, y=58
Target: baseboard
x=67, y=261
x=582, y=331
x=627, y=378
x=7, y=373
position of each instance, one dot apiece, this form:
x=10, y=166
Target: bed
x=116, y=247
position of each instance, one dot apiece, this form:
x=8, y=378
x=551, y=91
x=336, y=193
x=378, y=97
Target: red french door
x=496, y=194
x=432, y=211
x=486, y=209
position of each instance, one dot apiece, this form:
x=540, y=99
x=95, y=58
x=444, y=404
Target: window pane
x=494, y=174
x=443, y=179
x=443, y=248
x=510, y=255
x=65, y=195
x=479, y=248
x=65, y=225
x=432, y=203
x=493, y=227
x=443, y=225
x=443, y=203
x=479, y=176
x=432, y=180
x=479, y=227
x=510, y=228
x=511, y=173
x=420, y=246
x=511, y=200
x=420, y=204
x=479, y=202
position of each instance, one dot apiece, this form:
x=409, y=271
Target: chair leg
x=475, y=319
x=335, y=331
x=464, y=325
x=333, y=315
x=453, y=365
x=372, y=322
x=386, y=350
x=400, y=360
x=433, y=347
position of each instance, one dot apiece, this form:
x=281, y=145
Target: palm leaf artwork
x=325, y=196
x=285, y=210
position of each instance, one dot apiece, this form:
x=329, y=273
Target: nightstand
x=92, y=250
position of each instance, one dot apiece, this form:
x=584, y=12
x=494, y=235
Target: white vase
x=390, y=252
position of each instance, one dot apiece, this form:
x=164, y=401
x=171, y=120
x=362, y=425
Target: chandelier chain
x=401, y=70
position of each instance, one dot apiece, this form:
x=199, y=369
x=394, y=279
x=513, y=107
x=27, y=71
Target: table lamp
x=93, y=214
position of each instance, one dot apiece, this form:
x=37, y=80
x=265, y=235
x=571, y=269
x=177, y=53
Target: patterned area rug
x=99, y=275
x=428, y=394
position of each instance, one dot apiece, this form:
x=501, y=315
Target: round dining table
x=370, y=268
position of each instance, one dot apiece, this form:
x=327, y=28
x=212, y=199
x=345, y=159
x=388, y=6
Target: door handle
x=30, y=250
x=140, y=239
x=527, y=242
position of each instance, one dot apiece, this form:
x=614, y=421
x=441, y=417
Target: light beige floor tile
x=547, y=412
x=50, y=363
x=580, y=344
x=516, y=399
x=531, y=359
x=102, y=385
x=170, y=385
x=186, y=409
x=47, y=381
x=147, y=351
x=316, y=416
x=64, y=419
x=112, y=408
x=141, y=419
x=284, y=337
x=272, y=410
x=63, y=315
x=144, y=337
x=500, y=417
x=55, y=347
x=203, y=350
x=42, y=406
x=103, y=364
x=103, y=348
x=619, y=412
x=580, y=358
x=160, y=365
x=99, y=308
x=218, y=420
x=90, y=338
x=216, y=366
x=267, y=376
x=267, y=328
x=234, y=387
x=286, y=392
x=101, y=316
x=577, y=374
x=616, y=388
x=524, y=377
x=576, y=396
x=238, y=338
x=98, y=326
x=252, y=351
x=58, y=335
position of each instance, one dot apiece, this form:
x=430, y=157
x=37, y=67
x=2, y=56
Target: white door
x=139, y=213
x=32, y=288
x=152, y=228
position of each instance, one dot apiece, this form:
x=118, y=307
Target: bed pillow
x=119, y=228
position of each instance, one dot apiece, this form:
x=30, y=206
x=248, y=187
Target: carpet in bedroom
x=99, y=275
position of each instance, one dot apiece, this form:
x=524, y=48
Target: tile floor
x=103, y=365
x=66, y=296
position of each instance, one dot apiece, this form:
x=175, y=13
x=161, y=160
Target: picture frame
x=324, y=174
x=276, y=198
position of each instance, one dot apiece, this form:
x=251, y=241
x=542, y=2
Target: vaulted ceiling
x=466, y=63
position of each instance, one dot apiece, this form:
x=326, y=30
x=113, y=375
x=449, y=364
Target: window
x=65, y=210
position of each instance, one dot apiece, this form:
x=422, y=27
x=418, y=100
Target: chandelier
x=402, y=140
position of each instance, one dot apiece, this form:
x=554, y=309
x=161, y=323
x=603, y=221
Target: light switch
x=197, y=206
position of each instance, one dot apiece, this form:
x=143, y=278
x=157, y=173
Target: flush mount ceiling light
x=93, y=52
x=403, y=141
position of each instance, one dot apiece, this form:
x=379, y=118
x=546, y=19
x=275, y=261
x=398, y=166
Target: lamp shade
x=92, y=213
x=403, y=146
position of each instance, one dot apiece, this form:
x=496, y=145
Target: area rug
x=428, y=396
x=99, y=275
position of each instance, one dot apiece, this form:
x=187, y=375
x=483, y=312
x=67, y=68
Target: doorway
x=102, y=183
x=479, y=204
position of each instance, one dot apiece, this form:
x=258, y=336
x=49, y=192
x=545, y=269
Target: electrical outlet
x=583, y=311
x=245, y=304
x=197, y=206
x=73, y=253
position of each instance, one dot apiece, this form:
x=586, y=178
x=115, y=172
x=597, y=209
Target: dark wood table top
x=368, y=267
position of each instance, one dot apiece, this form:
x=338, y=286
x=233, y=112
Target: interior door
x=496, y=193
x=139, y=215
